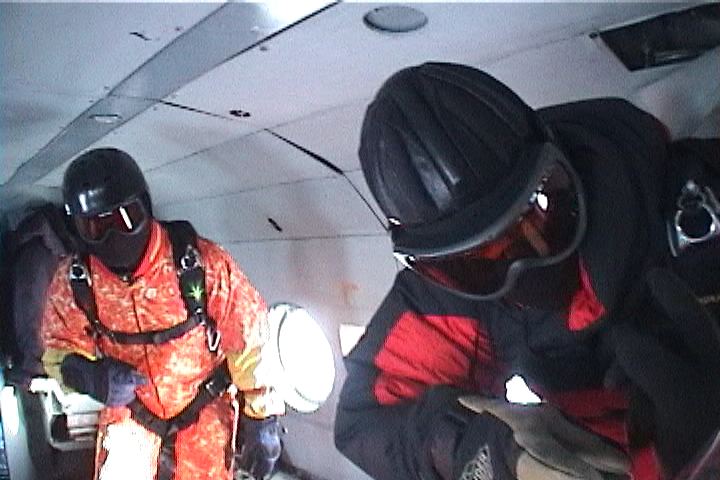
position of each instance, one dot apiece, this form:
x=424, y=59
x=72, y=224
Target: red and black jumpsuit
x=424, y=347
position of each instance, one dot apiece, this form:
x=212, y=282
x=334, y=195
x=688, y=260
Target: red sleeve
x=241, y=316
x=459, y=345
x=64, y=325
x=422, y=349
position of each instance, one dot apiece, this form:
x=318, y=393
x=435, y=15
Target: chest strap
x=191, y=277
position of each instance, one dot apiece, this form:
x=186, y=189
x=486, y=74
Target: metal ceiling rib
x=224, y=34
x=335, y=60
x=57, y=59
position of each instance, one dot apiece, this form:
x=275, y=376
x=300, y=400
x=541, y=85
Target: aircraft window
x=304, y=357
x=518, y=391
x=350, y=336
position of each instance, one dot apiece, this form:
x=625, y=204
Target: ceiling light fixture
x=106, y=118
x=395, y=19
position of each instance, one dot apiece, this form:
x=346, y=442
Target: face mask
x=549, y=288
x=122, y=252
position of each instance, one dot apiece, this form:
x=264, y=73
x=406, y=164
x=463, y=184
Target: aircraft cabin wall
x=281, y=189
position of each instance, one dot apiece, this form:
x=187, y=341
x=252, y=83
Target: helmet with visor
x=473, y=187
x=544, y=227
x=105, y=191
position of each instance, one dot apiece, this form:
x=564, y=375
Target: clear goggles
x=548, y=229
x=127, y=219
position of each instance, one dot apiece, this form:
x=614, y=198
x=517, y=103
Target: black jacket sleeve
x=414, y=437
x=33, y=267
x=400, y=441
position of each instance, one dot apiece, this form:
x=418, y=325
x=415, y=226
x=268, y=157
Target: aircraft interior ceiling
x=245, y=118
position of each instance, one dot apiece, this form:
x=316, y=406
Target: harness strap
x=213, y=387
x=167, y=429
x=85, y=300
x=81, y=285
x=191, y=277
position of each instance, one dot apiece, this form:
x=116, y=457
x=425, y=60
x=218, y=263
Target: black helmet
x=456, y=160
x=101, y=180
x=445, y=150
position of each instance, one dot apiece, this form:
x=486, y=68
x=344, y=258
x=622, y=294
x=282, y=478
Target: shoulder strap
x=81, y=285
x=191, y=275
x=182, y=235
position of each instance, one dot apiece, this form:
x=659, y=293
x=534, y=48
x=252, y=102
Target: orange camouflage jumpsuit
x=175, y=369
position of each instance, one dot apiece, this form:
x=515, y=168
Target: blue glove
x=260, y=447
x=107, y=380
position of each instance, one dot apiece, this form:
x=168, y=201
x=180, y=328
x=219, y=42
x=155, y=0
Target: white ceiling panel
x=54, y=178
x=684, y=99
x=333, y=59
x=357, y=178
x=326, y=207
x=51, y=46
x=567, y=70
x=30, y=118
x=47, y=166
x=164, y=133
x=250, y=162
x=340, y=148
x=573, y=69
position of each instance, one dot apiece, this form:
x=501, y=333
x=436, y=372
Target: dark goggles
x=127, y=219
x=547, y=231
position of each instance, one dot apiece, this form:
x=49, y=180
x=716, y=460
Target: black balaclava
x=122, y=252
x=549, y=288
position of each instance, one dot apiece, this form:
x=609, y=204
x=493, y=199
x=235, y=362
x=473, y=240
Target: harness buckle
x=191, y=259
x=696, y=219
x=79, y=272
x=213, y=338
x=212, y=334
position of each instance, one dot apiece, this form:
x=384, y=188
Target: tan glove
x=551, y=447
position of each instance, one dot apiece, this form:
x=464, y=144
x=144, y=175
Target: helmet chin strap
x=121, y=252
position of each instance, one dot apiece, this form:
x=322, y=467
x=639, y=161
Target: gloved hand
x=677, y=368
x=533, y=442
x=260, y=446
x=107, y=380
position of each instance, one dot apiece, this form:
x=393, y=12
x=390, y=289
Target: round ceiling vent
x=395, y=19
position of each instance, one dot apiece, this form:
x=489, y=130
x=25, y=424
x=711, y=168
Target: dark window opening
x=666, y=39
